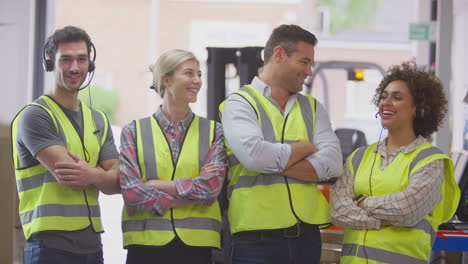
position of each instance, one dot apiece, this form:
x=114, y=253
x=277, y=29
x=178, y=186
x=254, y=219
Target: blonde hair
x=166, y=64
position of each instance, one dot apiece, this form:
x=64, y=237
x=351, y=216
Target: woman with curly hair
x=396, y=192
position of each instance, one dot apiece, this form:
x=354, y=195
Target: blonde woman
x=173, y=167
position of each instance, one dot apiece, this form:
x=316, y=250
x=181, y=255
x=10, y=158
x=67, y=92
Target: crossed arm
x=72, y=171
x=404, y=208
x=308, y=161
x=161, y=195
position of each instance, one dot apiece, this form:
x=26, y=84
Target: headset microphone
x=377, y=115
x=91, y=75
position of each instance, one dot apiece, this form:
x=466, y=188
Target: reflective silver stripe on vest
x=232, y=160
x=149, y=155
x=203, y=140
x=148, y=145
x=357, y=158
x=72, y=210
x=424, y=154
x=380, y=255
x=267, y=126
x=426, y=226
x=35, y=181
x=307, y=113
x=198, y=223
x=147, y=224
x=264, y=180
x=166, y=225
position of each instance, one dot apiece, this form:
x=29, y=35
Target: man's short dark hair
x=66, y=35
x=287, y=36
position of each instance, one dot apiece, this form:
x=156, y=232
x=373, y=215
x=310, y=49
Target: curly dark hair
x=66, y=35
x=287, y=36
x=428, y=95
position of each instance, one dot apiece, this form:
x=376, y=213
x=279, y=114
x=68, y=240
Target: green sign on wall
x=423, y=31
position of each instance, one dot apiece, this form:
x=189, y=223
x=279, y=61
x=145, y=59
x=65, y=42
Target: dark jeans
x=176, y=252
x=257, y=248
x=36, y=253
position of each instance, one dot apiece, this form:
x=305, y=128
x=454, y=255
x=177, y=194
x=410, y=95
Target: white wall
x=459, y=82
x=421, y=48
x=16, y=38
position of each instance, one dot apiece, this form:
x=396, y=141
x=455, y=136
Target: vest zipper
x=174, y=165
x=286, y=178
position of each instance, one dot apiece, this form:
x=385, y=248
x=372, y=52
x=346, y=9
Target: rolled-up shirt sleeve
x=245, y=138
x=327, y=161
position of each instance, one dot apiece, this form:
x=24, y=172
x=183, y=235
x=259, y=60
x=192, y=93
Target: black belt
x=294, y=231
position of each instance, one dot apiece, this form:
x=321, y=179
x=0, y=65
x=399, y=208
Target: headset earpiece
x=48, y=65
x=91, y=66
x=420, y=112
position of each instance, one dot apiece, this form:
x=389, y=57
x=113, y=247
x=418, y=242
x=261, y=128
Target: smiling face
x=295, y=68
x=71, y=65
x=396, y=107
x=184, y=83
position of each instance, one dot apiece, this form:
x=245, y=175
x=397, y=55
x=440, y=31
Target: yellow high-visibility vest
x=272, y=201
x=44, y=204
x=195, y=225
x=397, y=244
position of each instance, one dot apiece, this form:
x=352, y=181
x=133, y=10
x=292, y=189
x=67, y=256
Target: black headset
x=48, y=64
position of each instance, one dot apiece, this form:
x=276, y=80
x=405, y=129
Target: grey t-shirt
x=36, y=131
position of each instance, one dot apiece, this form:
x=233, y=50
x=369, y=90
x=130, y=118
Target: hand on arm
x=325, y=161
x=78, y=174
x=298, y=167
x=360, y=204
x=344, y=210
x=56, y=154
x=169, y=187
x=108, y=182
x=408, y=207
x=204, y=189
x=164, y=186
x=299, y=151
x=302, y=170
